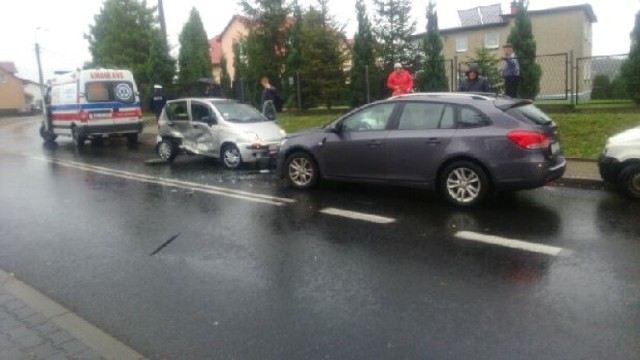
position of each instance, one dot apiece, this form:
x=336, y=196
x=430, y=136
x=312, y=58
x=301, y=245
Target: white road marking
x=209, y=189
x=358, y=216
x=512, y=243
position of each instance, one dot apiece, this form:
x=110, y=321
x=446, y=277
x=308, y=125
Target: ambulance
x=91, y=105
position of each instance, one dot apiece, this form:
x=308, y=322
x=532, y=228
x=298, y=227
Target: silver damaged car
x=225, y=129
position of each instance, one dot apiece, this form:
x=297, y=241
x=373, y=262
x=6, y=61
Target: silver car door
x=203, y=119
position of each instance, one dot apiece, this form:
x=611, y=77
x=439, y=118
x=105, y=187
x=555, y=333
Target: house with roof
x=222, y=45
x=557, y=30
x=11, y=89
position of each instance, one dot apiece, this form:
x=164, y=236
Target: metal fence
x=593, y=79
x=598, y=80
x=554, y=78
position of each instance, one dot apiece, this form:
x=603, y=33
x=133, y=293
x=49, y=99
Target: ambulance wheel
x=132, y=139
x=167, y=150
x=97, y=141
x=47, y=136
x=78, y=141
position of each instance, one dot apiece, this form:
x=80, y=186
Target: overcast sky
x=62, y=23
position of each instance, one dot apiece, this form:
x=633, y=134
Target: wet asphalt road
x=273, y=276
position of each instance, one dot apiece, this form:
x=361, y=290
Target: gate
x=598, y=80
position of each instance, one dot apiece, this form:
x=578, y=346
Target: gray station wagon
x=225, y=129
x=463, y=145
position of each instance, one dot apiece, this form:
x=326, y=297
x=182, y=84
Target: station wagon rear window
x=530, y=113
x=106, y=91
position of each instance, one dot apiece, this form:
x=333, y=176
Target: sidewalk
x=33, y=326
x=581, y=173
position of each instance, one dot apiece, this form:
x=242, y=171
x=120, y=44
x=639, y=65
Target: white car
x=225, y=129
x=620, y=162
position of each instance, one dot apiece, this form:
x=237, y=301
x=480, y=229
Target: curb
x=99, y=341
x=580, y=182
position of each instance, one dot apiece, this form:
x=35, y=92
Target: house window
x=492, y=40
x=462, y=43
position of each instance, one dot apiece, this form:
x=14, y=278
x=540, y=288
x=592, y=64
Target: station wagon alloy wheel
x=301, y=170
x=464, y=184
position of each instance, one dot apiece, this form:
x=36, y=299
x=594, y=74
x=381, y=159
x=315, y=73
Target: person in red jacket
x=400, y=81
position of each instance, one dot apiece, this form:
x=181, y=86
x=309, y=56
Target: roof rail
x=466, y=95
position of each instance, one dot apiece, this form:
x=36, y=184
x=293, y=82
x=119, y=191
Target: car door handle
x=374, y=143
x=433, y=141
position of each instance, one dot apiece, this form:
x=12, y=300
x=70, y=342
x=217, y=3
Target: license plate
x=555, y=147
x=100, y=115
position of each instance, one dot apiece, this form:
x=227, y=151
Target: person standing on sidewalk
x=400, y=81
x=269, y=93
x=474, y=82
x=510, y=71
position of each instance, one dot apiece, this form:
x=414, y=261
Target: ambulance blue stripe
x=93, y=106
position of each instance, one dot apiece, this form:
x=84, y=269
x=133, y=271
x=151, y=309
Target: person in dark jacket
x=158, y=100
x=269, y=93
x=510, y=71
x=474, y=82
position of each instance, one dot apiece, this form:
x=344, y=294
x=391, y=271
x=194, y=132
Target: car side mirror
x=336, y=129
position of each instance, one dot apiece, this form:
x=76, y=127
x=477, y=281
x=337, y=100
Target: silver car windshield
x=239, y=113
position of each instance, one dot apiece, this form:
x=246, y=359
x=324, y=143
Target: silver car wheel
x=464, y=185
x=301, y=171
x=231, y=157
x=166, y=150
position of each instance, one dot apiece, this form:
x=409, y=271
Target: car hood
x=631, y=135
x=267, y=131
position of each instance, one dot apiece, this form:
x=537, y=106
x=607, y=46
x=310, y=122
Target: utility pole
x=163, y=25
x=46, y=122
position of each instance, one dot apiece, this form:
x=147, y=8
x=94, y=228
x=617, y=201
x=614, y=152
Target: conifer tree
x=265, y=43
x=111, y=47
x=393, y=27
x=363, y=61
x=194, y=60
x=323, y=58
x=225, y=78
x=524, y=46
x=432, y=75
x=488, y=66
x=630, y=71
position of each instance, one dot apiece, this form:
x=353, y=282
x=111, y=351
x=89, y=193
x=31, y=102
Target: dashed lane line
x=513, y=243
x=358, y=216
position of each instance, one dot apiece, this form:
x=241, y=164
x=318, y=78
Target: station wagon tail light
x=529, y=139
